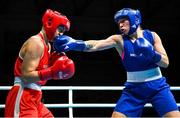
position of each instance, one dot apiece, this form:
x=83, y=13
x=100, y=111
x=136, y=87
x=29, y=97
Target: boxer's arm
x=32, y=53
x=65, y=43
x=98, y=45
x=158, y=46
x=63, y=68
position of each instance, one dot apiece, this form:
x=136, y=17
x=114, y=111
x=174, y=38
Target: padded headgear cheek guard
x=52, y=20
x=134, y=17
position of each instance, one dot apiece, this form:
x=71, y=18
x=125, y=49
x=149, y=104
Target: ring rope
x=70, y=89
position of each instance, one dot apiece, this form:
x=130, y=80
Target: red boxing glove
x=63, y=68
x=54, y=56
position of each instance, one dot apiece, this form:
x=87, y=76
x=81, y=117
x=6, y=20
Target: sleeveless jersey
x=44, y=62
x=132, y=62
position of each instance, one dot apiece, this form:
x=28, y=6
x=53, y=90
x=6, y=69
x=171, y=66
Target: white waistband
x=34, y=86
x=144, y=76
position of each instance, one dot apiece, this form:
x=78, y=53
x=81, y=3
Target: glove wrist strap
x=157, y=57
x=45, y=74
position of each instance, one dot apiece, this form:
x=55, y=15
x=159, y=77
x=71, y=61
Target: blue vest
x=132, y=62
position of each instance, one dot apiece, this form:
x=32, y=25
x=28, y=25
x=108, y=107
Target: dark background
x=90, y=19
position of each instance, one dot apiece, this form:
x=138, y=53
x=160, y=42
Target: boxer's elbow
x=166, y=64
x=163, y=63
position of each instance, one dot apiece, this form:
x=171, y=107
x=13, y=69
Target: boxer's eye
x=61, y=29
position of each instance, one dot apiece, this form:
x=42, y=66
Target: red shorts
x=25, y=102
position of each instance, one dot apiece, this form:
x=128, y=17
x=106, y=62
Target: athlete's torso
x=130, y=56
x=44, y=61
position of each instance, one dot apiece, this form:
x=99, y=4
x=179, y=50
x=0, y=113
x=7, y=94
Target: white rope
x=83, y=87
x=71, y=88
x=94, y=105
x=91, y=105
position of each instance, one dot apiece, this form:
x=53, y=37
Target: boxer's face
x=59, y=31
x=124, y=25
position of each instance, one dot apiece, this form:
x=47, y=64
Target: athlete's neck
x=44, y=36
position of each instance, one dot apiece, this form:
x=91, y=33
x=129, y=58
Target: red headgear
x=51, y=20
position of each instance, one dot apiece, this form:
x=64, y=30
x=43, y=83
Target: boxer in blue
x=142, y=55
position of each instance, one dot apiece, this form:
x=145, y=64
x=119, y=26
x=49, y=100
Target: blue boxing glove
x=145, y=47
x=64, y=43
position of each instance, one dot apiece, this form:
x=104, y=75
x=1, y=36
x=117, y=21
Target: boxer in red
x=35, y=65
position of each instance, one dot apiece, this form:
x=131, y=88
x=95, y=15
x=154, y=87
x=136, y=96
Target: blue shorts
x=136, y=95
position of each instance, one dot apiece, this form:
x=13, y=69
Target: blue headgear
x=134, y=17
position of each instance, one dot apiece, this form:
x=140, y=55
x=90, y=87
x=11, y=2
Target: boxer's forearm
x=98, y=45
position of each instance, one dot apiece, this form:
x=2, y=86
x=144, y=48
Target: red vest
x=44, y=62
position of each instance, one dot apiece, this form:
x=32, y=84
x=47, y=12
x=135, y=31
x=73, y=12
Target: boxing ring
x=72, y=105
